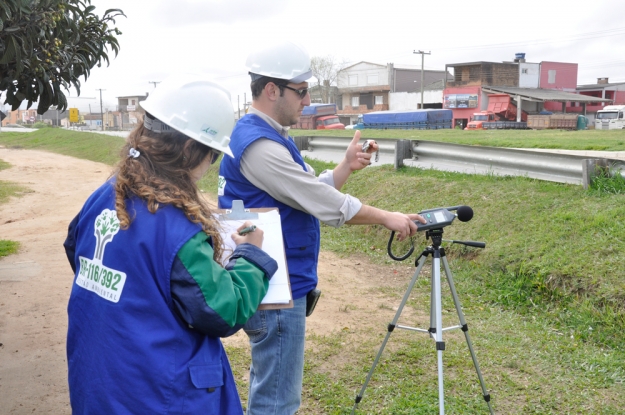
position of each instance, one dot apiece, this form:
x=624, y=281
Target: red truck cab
x=329, y=122
x=500, y=108
x=319, y=117
x=478, y=118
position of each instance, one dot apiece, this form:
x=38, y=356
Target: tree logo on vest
x=93, y=275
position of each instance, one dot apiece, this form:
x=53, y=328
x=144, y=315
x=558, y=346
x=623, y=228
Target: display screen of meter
x=435, y=219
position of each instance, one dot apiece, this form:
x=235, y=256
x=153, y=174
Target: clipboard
x=268, y=219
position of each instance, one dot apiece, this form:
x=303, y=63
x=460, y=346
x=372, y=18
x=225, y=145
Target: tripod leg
x=465, y=329
x=438, y=335
x=432, y=303
x=391, y=327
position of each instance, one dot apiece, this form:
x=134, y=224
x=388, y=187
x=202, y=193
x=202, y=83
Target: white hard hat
x=194, y=105
x=284, y=60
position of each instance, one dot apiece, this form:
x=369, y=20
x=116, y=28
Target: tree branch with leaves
x=46, y=45
x=325, y=69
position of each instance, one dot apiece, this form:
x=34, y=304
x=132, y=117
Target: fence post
x=301, y=142
x=403, y=150
x=592, y=168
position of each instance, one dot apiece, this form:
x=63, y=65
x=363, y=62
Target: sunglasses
x=215, y=156
x=300, y=92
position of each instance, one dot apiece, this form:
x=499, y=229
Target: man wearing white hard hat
x=267, y=170
x=149, y=301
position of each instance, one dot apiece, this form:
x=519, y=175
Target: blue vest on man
x=127, y=349
x=300, y=230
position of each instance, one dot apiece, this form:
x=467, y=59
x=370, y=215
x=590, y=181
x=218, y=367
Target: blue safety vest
x=127, y=349
x=300, y=230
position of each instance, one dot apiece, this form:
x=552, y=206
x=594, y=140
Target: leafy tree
x=325, y=69
x=49, y=44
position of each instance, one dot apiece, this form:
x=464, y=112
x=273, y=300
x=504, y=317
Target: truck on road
x=610, y=118
x=319, y=117
x=500, y=114
x=425, y=119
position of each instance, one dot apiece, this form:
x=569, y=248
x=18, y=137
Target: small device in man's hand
x=311, y=301
x=365, y=147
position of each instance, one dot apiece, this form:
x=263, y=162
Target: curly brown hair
x=162, y=175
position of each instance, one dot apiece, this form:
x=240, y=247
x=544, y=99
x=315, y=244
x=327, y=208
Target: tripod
x=436, y=321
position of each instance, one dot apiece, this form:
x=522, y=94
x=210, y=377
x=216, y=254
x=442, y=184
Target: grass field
x=545, y=299
x=612, y=140
x=8, y=190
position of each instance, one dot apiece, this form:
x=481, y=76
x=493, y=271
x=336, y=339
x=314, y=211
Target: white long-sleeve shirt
x=269, y=166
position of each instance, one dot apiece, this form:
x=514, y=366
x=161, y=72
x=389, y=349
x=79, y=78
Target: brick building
x=24, y=117
x=366, y=87
x=129, y=111
x=533, y=87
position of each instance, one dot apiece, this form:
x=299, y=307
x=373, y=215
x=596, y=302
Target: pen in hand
x=248, y=233
x=247, y=230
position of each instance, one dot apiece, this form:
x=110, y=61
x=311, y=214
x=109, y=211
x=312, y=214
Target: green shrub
x=8, y=247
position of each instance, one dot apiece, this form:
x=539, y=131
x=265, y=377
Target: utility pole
x=154, y=83
x=101, y=113
x=422, y=53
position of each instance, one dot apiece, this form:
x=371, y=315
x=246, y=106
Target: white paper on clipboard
x=279, y=292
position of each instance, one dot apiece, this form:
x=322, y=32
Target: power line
x=581, y=36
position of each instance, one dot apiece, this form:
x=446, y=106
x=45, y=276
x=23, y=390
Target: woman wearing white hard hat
x=149, y=300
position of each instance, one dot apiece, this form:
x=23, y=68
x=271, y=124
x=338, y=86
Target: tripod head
x=437, y=219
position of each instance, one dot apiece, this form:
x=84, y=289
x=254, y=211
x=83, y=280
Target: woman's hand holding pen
x=248, y=233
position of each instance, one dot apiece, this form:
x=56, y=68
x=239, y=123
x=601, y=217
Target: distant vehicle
x=349, y=127
x=500, y=114
x=360, y=123
x=14, y=126
x=610, y=118
x=557, y=121
x=424, y=119
x=319, y=117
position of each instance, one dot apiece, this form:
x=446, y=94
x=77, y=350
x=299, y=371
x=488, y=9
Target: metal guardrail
x=555, y=167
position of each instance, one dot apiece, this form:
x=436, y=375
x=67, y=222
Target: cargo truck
x=610, y=118
x=430, y=119
x=500, y=114
x=554, y=121
x=319, y=117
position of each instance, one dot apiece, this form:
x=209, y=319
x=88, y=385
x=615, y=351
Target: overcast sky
x=214, y=37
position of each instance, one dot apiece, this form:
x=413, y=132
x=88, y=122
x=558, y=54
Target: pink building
x=464, y=95
x=557, y=75
x=602, y=89
x=533, y=87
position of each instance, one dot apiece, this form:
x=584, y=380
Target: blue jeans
x=277, y=340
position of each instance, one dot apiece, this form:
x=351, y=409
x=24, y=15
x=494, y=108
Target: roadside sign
x=73, y=115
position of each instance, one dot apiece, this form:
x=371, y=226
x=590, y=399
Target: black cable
x=401, y=258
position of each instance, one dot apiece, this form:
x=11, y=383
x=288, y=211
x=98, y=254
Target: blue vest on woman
x=127, y=349
x=300, y=230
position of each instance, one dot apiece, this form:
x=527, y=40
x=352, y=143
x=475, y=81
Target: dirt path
x=35, y=283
